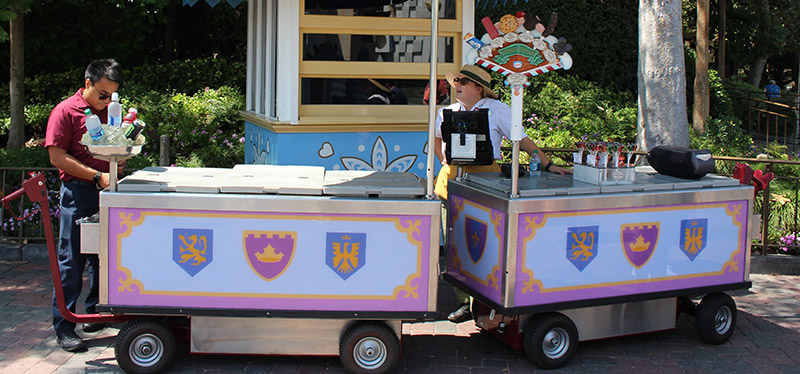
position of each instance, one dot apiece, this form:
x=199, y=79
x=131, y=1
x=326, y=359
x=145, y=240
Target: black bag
x=681, y=162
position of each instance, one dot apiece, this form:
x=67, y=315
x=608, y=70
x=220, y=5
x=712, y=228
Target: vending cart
x=568, y=260
x=265, y=259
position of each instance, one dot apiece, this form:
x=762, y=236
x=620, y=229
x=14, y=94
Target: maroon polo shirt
x=65, y=128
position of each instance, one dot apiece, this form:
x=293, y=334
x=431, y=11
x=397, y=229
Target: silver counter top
x=549, y=184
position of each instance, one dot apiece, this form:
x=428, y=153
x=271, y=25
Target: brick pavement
x=766, y=340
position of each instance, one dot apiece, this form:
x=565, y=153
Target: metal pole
x=797, y=102
x=765, y=213
x=432, y=97
x=163, y=151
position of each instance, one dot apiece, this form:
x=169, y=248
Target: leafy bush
x=723, y=137
x=206, y=126
x=561, y=109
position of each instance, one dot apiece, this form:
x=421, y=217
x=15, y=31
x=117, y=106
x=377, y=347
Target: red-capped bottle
x=130, y=117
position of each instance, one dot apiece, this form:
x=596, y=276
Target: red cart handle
x=36, y=190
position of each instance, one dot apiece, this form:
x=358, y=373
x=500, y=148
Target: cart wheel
x=369, y=347
x=550, y=340
x=716, y=318
x=144, y=346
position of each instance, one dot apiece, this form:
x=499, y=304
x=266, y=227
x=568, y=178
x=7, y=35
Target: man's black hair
x=107, y=68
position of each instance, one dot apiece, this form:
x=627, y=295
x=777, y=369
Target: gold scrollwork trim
x=410, y=229
x=410, y=291
x=128, y=223
x=458, y=207
x=531, y=282
x=734, y=210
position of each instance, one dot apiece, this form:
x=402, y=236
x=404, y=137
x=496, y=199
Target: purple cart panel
x=589, y=254
x=476, y=246
x=276, y=261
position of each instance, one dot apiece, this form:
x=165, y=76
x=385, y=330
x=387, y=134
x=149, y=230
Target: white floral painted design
x=379, y=160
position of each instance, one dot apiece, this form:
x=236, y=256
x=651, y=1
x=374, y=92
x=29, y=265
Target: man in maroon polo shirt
x=82, y=177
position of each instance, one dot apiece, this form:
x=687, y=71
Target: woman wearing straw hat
x=472, y=92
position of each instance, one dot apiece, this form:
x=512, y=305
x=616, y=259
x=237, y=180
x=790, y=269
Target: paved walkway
x=767, y=340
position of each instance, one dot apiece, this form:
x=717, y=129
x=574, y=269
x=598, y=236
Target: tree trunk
x=757, y=67
x=16, y=131
x=723, y=15
x=168, y=54
x=662, y=78
x=756, y=70
x=701, y=85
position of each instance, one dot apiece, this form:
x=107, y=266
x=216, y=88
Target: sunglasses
x=462, y=80
x=103, y=97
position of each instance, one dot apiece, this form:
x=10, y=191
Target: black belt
x=81, y=182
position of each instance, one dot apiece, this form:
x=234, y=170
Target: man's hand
x=559, y=170
x=105, y=180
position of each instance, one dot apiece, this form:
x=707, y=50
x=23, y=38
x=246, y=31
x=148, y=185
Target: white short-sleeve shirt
x=499, y=121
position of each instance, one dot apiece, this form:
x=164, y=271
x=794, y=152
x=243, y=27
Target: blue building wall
x=389, y=151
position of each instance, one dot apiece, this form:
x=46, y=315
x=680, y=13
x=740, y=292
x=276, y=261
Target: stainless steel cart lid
x=274, y=179
x=174, y=179
x=372, y=183
x=548, y=184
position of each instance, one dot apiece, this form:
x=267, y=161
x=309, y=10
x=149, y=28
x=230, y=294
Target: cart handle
x=36, y=190
x=29, y=187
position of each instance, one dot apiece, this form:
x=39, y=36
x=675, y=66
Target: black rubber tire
x=550, y=340
x=145, y=346
x=716, y=318
x=369, y=347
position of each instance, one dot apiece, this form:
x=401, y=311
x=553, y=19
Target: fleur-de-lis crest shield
x=476, y=231
x=693, y=236
x=582, y=245
x=345, y=253
x=269, y=253
x=192, y=249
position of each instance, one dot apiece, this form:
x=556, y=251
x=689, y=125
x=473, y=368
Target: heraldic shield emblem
x=582, y=245
x=269, y=253
x=346, y=253
x=639, y=241
x=192, y=249
x=476, y=231
x=693, y=236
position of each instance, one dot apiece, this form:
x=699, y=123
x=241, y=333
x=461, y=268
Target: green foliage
x=723, y=137
x=561, y=109
x=35, y=157
x=205, y=126
x=144, y=87
x=185, y=76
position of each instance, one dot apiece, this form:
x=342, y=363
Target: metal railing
x=776, y=120
x=779, y=214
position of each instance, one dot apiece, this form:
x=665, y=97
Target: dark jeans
x=78, y=200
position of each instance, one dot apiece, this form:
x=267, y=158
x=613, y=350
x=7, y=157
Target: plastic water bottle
x=114, y=111
x=535, y=163
x=93, y=126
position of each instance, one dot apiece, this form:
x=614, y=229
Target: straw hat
x=376, y=84
x=475, y=74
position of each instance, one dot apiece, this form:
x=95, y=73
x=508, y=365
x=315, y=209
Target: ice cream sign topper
x=519, y=47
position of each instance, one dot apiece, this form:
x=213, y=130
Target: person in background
x=82, y=177
x=398, y=97
x=376, y=92
x=442, y=93
x=472, y=91
x=772, y=90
